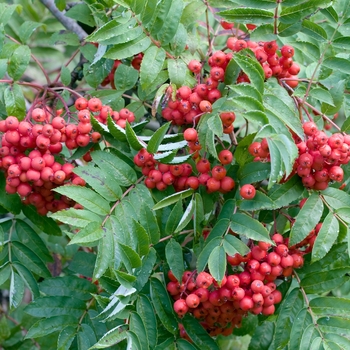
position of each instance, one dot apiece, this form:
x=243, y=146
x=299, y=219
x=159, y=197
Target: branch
x=67, y=22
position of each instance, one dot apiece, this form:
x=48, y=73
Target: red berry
x=247, y=191
x=190, y=134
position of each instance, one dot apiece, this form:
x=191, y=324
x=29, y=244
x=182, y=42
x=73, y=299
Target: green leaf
x=28, y=279
x=14, y=101
x=26, y=29
x=151, y=65
x=263, y=33
x=125, y=279
x=330, y=306
x=337, y=63
x=217, y=263
x=149, y=221
x=219, y=230
x=215, y=125
x=65, y=75
x=69, y=286
x=251, y=67
x=290, y=307
x=309, y=335
x=30, y=259
x=105, y=254
x=331, y=14
x=343, y=213
x=146, y=269
x=101, y=181
x=112, y=337
x=292, y=14
x=304, y=320
x=46, y=224
x=336, y=90
x=157, y=138
x=76, y=217
x=322, y=95
x=262, y=336
x=198, y=334
x=137, y=326
x=286, y=193
x=203, y=257
x=88, y=198
x=3, y=64
x=171, y=21
x=309, y=49
x=148, y=11
x=128, y=256
x=55, y=306
x=183, y=344
x=336, y=198
x=173, y=198
x=234, y=245
x=10, y=202
x=30, y=238
x=5, y=272
x=146, y=312
x=338, y=325
x=247, y=15
x=6, y=12
x=277, y=105
x=173, y=254
x=110, y=31
x=95, y=72
x=263, y=4
x=328, y=273
x=85, y=337
x=142, y=239
x=132, y=138
x=341, y=341
x=19, y=62
x=66, y=338
x=116, y=131
x=187, y=216
x=283, y=153
x=251, y=228
x=342, y=42
x=125, y=77
x=260, y=201
x=123, y=173
x=314, y=30
x=91, y=233
x=16, y=290
x=163, y=305
x=326, y=237
x=129, y=49
x=191, y=13
x=177, y=71
x=306, y=219
x=174, y=218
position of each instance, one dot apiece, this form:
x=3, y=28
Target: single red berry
x=247, y=191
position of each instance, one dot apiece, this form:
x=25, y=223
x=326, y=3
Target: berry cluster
x=274, y=61
x=101, y=112
x=190, y=104
x=251, y=288
x=320, y=157
x=160, y=176
x=28, y=158
x=31, y=150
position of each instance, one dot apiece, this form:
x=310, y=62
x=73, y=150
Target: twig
x=67, y=22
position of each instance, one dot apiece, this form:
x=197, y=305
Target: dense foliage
x=174, y=174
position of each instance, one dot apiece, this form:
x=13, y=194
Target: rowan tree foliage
x=174, y=174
